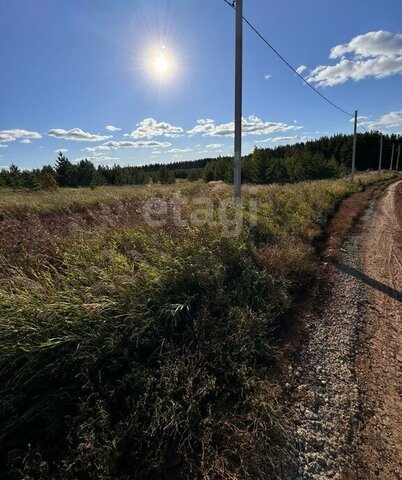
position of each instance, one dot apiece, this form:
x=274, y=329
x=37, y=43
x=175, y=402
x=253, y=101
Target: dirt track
x=379, y=442
x=345, y=385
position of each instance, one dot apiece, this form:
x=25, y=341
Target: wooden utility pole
x=238, y=99
x=397, y=158
x=354, y=147
x=392, y=156
x=380, y=159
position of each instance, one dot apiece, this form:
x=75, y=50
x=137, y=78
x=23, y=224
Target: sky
x=152, y=81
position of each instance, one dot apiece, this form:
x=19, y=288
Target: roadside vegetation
x=135, y=351
x=326, y=157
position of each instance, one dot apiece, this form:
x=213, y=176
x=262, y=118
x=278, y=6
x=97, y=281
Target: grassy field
x=66, y=199
x=139, y=349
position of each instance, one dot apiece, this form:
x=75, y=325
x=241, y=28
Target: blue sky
x=69, y=69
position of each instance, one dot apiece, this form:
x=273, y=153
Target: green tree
x=86, y=173
x=14, y=176
x=276, y=171
x=208, y=174
x=165, y=175
x=66, y=172
x=258, y=166
x=47, y=181
x=30, y=180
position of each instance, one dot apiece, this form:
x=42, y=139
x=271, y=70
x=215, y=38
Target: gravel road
x=345, y=388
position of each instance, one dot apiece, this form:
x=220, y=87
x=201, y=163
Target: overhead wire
x=363, y=127
x=255, y=30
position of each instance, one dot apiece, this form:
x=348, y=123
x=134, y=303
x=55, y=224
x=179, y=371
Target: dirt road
x=379, y=363
x=345, y=385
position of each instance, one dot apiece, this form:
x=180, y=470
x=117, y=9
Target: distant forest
x=327, y=157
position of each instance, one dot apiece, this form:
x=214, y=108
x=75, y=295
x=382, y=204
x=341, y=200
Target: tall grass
x=69, y=199
x=143, y=353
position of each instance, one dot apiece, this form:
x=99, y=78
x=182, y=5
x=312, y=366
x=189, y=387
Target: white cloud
x=204, y=126
x=149, y=128
x=389, y=120
x=359, y=118
x=62, y=150
x=98, y=158
x=374, y=54
x=3, y=146
x=151, y=144
x=290, y=139
x=267, y=76
x=301, y=69
x=180, y=150
x=112, y=145
x=98, y=148
x=371, y=44
x=251, y=125
x=215, y=145
x=12, y=135
x=204, y=121
x=77, y=134
x=111, y=128
x=26, y=140
x=328, y=76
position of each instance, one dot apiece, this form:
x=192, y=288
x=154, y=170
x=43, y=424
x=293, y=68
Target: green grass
x=146, y=353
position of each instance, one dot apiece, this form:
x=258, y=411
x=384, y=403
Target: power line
x=363, y=127
x=232, y=4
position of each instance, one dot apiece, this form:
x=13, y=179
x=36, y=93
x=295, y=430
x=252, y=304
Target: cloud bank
x=77, y=134
x=149, y=128
x=374, y=54
x=251, y=125
x=15, y=134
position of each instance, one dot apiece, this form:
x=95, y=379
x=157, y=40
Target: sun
x=161, y=64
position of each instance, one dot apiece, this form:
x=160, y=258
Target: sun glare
x=161, y=64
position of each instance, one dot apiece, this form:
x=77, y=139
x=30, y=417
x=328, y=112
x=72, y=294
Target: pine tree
x=165, y=175
x=14, y=176
x=65, y=171
x=30, y=180
x=47, y=181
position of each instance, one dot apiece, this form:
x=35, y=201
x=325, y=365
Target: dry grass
x=134, y=352
x=70, y=199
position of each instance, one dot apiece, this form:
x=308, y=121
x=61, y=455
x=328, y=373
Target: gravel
x=323, y=388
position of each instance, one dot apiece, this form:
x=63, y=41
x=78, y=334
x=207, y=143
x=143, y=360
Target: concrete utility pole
x=354, y=147
x=392, y=156
x=380, y=160
x=238, y=99
x=397, y=159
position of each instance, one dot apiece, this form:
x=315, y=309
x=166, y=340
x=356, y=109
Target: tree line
x=327, y=157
